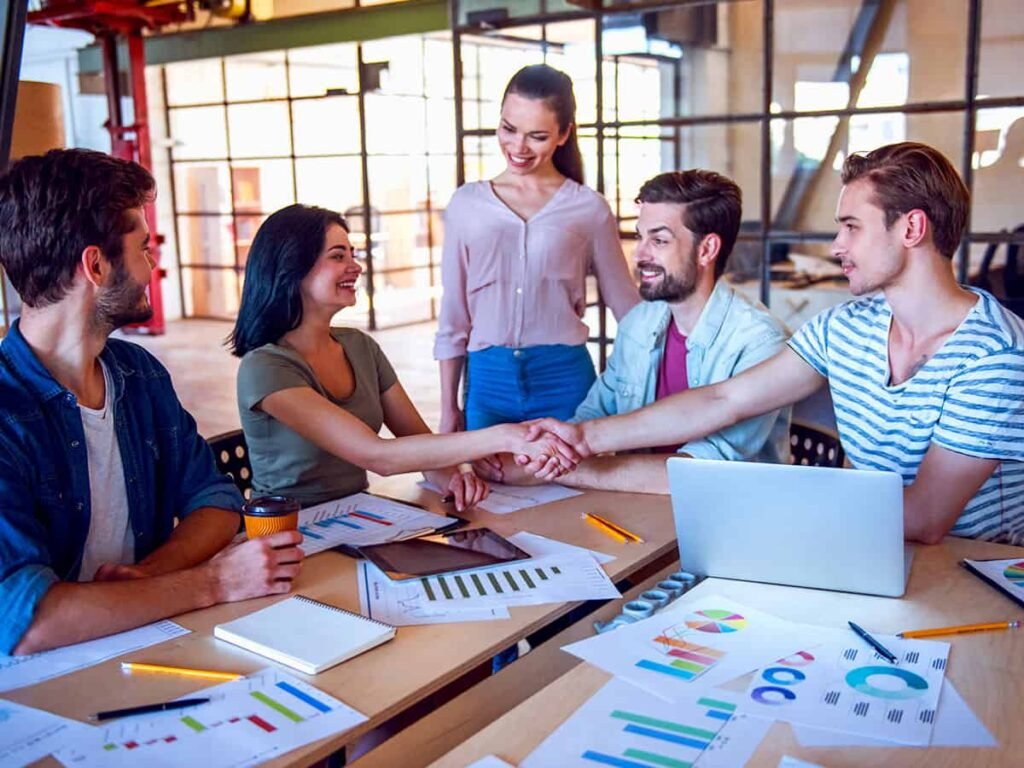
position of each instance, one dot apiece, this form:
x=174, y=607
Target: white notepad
x=305, y=634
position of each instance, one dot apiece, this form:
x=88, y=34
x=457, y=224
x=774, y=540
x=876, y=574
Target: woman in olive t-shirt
x=313, y=398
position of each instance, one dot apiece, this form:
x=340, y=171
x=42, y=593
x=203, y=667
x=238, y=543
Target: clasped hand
x=550, y=448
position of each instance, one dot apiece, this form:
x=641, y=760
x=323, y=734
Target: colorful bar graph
x=717, y=710
x=261, y=723
x=277, y=706
x=667, y=725
x=306, y=532
x=683, y=741
x=617, y=762
x=668, y=762
x=303, y=696
x=665, y=669
x=369, y=517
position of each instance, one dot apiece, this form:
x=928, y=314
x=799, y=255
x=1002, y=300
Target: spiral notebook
x=305, y=634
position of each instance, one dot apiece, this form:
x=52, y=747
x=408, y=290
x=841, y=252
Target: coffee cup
x=269, y=514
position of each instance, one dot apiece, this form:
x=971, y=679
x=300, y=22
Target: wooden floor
x=204, y=371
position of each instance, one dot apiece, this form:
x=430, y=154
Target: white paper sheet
x=448, y=597
x=791, y=762
x=405, y=604
x=843, y=684
x=623, y=723
x=27, y=734
x=736, y=743
x=19, y=671
x=504, y=499
x=248, y=721
x=691, y=645
x=541, y=546
x=491, y=761
x=956, y=725
x=362, y=519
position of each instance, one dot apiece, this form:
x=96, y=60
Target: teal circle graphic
x=858, y=680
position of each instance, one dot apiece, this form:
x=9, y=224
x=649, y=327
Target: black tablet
x=429, y=555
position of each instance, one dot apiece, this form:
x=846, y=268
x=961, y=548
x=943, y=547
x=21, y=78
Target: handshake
x=547, y=448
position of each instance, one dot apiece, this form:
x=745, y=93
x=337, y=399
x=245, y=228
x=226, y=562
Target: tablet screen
x=429, y=555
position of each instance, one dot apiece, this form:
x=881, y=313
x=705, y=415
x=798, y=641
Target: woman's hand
x=462, y=483
x=544, y=453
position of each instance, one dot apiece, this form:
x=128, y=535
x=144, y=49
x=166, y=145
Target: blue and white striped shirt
x=968, y=398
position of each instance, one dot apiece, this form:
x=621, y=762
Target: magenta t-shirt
x=672, y=371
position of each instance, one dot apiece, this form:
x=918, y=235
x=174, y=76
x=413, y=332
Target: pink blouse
x=514, y=283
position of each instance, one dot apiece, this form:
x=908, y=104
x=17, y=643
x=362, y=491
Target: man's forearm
x=676, y=420
x=195, y=540
x=641, y=473
x=72, y=613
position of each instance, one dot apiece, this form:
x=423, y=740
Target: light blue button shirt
x=730, y=336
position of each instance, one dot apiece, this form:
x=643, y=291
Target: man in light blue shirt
x=692, y=329
x=926, y=375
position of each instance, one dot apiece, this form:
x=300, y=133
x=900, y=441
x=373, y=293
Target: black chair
x=814, y=447
x=232, y=456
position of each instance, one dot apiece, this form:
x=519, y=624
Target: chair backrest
x=232, y=456
x=814, y=447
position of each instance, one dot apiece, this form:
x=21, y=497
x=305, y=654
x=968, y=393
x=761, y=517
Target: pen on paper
x=146, y=709
x=884, y=652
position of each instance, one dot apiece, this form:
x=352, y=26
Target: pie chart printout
x=716, y=620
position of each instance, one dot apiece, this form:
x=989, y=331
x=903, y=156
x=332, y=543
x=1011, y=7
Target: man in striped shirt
x=927, y=376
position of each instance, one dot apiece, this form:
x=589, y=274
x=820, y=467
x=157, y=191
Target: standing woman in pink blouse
x=517, y=250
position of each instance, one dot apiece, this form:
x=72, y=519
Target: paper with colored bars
x=247, y=722
x=19, y=671
x=27, y=734
x=360, y=520
x=623, y=727
x=528, y=582
x=843, y=684
x=403, y=604
x=694, y=643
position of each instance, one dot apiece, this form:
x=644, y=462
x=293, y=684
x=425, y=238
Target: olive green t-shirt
x=284, y=462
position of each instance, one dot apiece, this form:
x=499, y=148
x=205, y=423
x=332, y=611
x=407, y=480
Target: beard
x=673, y=287
x=123, y=302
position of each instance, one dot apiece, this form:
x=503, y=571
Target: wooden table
x=987, y=668
x=394, y=677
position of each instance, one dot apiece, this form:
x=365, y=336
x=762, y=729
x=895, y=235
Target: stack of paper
x=664, y=706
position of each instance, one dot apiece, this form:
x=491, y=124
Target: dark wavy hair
x=713, y=204
x=53, y=206
x=911, y=175
x=285, y=248
x=554, y=88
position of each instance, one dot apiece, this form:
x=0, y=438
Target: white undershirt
x=110, y=537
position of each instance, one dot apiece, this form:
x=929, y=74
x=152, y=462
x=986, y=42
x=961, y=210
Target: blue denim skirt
x=511, y=385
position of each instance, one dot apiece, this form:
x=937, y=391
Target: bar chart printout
x=246, y=722
x=363, y=519
x=623, y=727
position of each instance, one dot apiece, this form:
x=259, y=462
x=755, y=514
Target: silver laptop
x=839, y=529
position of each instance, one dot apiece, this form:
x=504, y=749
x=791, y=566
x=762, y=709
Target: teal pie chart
x=860, y=679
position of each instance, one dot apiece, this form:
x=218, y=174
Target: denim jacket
x=44, y=473
x=730, y=336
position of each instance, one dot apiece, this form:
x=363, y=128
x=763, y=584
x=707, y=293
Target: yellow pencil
x=607, y=529
x=961, y=629
x=208, y=674
x=627, y=533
